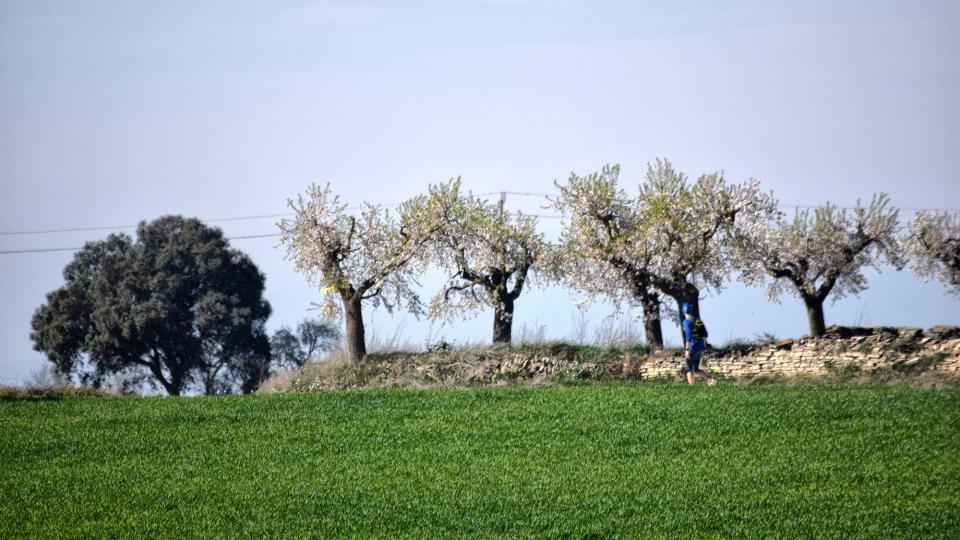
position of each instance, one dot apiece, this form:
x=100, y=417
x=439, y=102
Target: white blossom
x=695, y=226
x=372, y=256
x=820, y=254
x=489, y=256
x=673, y=237
x=601, y=250
x=933, y=247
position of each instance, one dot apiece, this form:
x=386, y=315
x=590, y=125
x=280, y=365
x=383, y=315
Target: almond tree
x=693, y=226
x=933, y=246
x=821, y=254
x=489, y=256
x=674, y=238
x=371, y=258
x=603, y=249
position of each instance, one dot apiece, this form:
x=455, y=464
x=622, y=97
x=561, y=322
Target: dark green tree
x=178, y=303
x=293, y=348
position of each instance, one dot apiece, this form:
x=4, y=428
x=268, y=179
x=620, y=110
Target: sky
x=113, y=112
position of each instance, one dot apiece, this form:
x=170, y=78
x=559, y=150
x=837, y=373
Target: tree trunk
x=173, y=385
x=172, y=388
x=356, y=340
x=177, y=378
x=503, y=319
x=650, y=302
x=652, y=328
x=210, y=381
x=818, y=325
x=209, y=385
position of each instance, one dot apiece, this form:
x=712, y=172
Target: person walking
x=694, y=336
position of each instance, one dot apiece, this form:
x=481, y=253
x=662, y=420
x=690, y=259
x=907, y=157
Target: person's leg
x=705, y=375
x=690, y=368
x=695, y=356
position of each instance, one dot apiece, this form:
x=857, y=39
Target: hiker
x=694, y=335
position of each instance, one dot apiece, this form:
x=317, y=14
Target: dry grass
x=8, y=393
x=47, y=383
x=526, y=365
x=621, y=330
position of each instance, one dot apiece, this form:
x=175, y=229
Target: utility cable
x=49, y=250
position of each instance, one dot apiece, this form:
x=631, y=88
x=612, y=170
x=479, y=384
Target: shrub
x=8, y=393
x=919, y=365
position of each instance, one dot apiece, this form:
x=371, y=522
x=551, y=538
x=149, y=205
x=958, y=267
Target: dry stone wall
x=842, y=350
x=873, y=350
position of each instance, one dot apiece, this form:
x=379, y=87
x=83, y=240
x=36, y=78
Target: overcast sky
x=112, y=112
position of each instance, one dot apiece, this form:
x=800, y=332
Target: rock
x=479, y=372
x=944, y=332
x=885, y=332
x=845, y=332
x=784, y=343
x=909, y=333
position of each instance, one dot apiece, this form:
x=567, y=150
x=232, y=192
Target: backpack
x=699, y=329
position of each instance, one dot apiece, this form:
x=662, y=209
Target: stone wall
x=842, y=349
x=884, y=352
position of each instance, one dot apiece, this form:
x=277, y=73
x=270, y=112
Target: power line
x=266, y=235
x=39, y=250
x=213, y=220
x=779, y=205
x=121, y=227
x=812, y=206
x=50, y=250
x=288, y=214
x=249, y=236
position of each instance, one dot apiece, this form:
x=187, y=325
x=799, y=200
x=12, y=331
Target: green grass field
x=591, y=461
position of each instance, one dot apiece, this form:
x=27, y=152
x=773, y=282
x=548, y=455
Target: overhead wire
x=289, y=214
x=47, y=250
x=123, y=227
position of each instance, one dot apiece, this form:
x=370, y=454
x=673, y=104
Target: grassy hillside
x=650, y=460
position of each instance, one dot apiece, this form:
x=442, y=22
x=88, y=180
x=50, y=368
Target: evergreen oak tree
x=178, y=303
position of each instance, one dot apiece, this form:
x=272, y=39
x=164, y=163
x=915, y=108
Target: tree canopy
x=821, y=254
x=602, y=248
x=694, y=226
x=292, y=348
x=488, y=255
x=933, y=247
x=178, y=303
x=374, y=257
x=674, y=237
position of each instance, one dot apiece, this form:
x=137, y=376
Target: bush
x=844, y=371
x=8, y=393
x=919, y=365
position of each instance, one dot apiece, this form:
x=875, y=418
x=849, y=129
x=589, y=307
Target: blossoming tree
x=373, y=257
x=821, y=254
x=694, y=226
x=602, y=249
x=933, y=246
x=675, y=237
x=489, y=255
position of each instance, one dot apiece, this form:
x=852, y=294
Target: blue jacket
x=695, y=344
